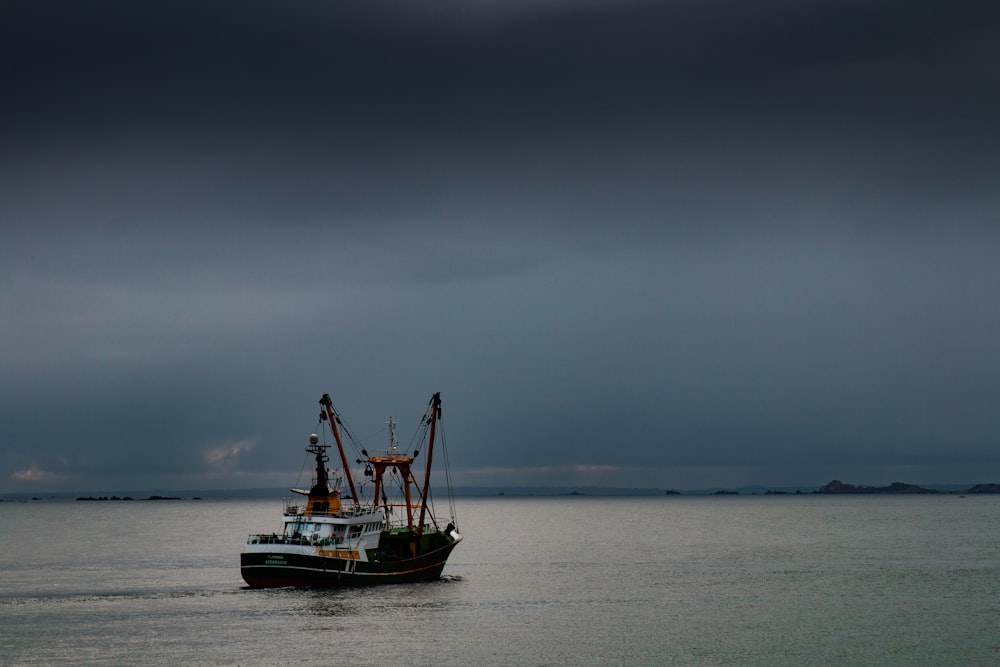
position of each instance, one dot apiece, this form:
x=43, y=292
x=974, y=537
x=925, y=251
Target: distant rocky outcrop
x=984, y=488
x=836, y=486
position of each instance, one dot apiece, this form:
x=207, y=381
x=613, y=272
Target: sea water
x=761, y=580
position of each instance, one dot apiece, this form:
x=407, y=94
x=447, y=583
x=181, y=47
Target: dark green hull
x=278, y=569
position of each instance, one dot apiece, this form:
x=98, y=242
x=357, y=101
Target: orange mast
x=435, y=411
x=328, y=404
x=402, y=464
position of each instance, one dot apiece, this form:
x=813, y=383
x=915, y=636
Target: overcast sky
x=674, y=244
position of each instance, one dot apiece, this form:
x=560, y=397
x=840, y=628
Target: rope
x=394, y=479
x=447, y=476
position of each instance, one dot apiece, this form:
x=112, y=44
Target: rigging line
x=447, y=476
x=419, y=436
x=355, y=441
x=298, y=480
x=345, y=429
x=372, y=436
x=431, y=514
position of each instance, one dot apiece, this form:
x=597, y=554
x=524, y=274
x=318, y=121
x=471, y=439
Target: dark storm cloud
x=638, y=243
x=326, y=103
x=413, y=75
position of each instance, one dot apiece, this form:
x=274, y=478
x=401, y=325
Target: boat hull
x=281, y=569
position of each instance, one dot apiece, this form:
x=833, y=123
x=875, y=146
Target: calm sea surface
x=764, y=580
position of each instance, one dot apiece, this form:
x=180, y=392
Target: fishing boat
x=332, y=535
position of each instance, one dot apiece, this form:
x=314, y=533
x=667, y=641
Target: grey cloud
x=640, y=242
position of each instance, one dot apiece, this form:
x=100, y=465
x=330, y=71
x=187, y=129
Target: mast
x=322, y=486
x=401, y=463
x=328, y=404
x=435, y=414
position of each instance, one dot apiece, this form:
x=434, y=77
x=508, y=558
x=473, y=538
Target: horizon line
x=473, y=489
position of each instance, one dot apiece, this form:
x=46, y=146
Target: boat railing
x=313, y=540
x=277, y=539
x=294, y=507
